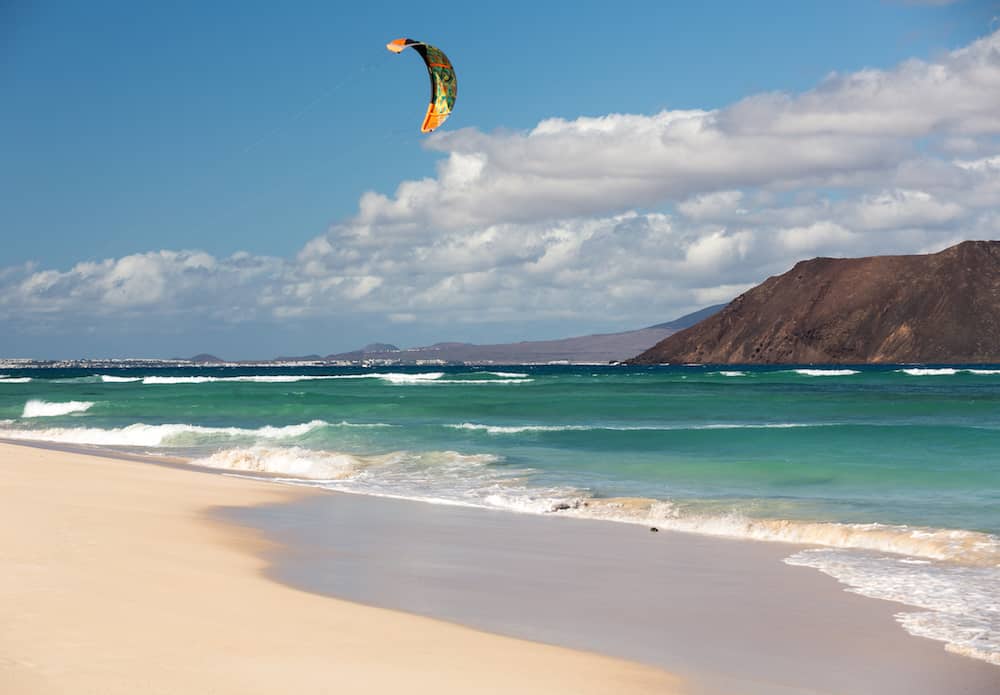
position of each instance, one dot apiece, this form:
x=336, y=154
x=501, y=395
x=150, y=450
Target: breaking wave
x=37, y=408
x=945, y=371
x=14, y=379
x=391, y=377
x=442, y=477
x=264, y=379
x=480, y=480
x=167, y=435
x=826, y=372
x=517, y=429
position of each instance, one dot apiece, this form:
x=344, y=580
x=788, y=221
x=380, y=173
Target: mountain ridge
x=931, y=308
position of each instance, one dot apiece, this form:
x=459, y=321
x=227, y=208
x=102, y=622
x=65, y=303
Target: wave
x=166, y=435
x=511, y=375
x=97, y=379
x=264, y=378
x=295, y=462
x=517, y=429
x=37, y=408
x=945, y=371
x=733, y=373
x=482, y=382
x=14, y=379
x=442, y=477
x=826, y=372
x=391, y=377
x=959, y=604
x=478, y=479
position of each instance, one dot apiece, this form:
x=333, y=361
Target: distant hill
x=935, y=308
x=605, y=347
x=691, y=319
x=205, y=358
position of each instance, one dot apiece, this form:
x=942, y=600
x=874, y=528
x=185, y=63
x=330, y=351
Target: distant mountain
x=205, y=358
x=935, y=308
x=598, y=348
x=691, y=319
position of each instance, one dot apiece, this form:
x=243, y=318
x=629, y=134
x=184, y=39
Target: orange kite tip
x=396, y=46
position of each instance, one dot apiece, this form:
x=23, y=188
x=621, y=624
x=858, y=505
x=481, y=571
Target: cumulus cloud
x=630, y=216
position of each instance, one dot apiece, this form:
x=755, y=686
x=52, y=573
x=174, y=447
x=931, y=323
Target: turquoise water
x=861, y=460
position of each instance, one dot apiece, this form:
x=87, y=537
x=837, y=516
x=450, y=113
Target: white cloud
x=635, y=217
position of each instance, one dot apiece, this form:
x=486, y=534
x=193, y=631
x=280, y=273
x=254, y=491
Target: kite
x=444, y=87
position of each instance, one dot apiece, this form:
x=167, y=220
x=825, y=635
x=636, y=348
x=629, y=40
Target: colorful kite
x=444, y=86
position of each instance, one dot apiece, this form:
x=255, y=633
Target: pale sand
x=113, y=579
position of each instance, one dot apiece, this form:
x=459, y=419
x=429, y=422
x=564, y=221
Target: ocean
x=891, y=474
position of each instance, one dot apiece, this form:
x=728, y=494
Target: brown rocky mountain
x=937, y=308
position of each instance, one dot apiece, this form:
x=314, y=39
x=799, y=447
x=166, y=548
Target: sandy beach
x=123, y=576
x=115, y=579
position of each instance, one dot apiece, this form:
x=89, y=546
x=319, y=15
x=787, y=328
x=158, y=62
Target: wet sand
x=727, y=615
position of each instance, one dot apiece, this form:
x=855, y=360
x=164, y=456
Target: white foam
x=960, y=605
x=396, y=378
x=438, y=477
x=945, y=371
x=143, y=435
x=920, y=371
x=474, y=479
x=482, y=382
x=969, y=547
x=295, y=461
x=111, y=379
x=733, y=373
x=517, y=429
x=826, y=372
x=391, y=377
x=37, y=408
x=15, y=380
x=511, y=375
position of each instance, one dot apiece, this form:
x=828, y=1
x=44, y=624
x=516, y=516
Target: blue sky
x=217, y=128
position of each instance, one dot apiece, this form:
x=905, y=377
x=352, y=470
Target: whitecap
x=391, y=377
x=166, y=435
x=826, y=372
x=922, y=371
x=517, y=429
x=38, y=408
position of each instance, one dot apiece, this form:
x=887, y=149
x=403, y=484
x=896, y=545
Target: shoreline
x=118, y=579
x=300, y=557
x=724, y=614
